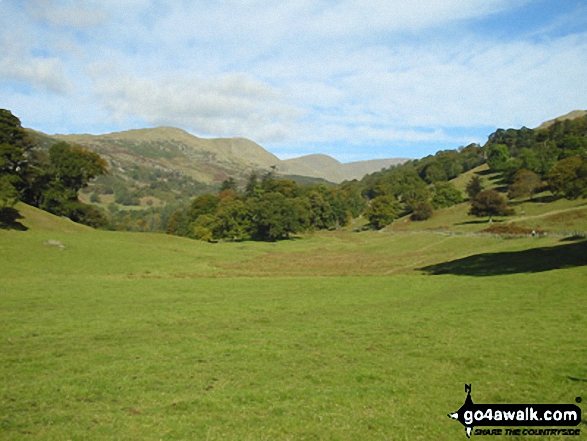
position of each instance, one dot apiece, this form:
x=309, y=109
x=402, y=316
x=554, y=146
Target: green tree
x=498, y=157
x=445, y=194
x=320, y=212
x=434, y=172
x=15, y=147
x=568, y=178
x=231, y=220
x=382, y=211
x=73, y=166
x=275, y=217
x=474, y=187
x=204, y=204
x=8, y=193
x=572, y=145
x=253, y=185
x=489, y=203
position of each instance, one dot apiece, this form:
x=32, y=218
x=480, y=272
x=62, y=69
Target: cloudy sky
x=352, y=79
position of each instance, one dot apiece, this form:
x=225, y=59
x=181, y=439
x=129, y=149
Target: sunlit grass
x=142, y=336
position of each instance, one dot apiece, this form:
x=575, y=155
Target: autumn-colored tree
x=568, y=178
x=525, y=184
x=489, y=203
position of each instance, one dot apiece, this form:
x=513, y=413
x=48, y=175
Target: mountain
x=206, y=160
x=326, y=167
x=210, y=161
x=571, y=115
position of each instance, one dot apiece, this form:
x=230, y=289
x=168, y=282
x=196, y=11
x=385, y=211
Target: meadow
x=329, y=336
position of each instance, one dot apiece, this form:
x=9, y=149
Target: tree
x=252, y=186
x=382, y=211
x=498, y=158
x=489, y=203
x=15, y=146
x=320, y=211
x=445, y=194
x=422, y=211
x=474, y=187
x=525, y=184
x=73, y=166
x=231, y=220
x=8, y=194
x=228, y=184
x=568, y=178
x=275, y=217
x=204, y=204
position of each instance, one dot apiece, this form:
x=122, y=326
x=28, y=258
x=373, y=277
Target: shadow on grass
x=542, y=199
x=8, y=220
x=481, y=221
x=567, y=255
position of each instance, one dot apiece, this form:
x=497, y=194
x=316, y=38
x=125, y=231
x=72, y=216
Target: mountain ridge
x=212, y=160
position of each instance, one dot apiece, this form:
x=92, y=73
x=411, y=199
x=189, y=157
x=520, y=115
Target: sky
x=352, y=79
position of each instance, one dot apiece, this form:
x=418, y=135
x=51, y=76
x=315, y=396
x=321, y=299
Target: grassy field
x=331, y=336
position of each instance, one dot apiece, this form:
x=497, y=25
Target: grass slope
x=139, y=336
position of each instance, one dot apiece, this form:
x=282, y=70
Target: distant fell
x=571, y=115
x=324, y=166
x=206, y=160
x=211, y=161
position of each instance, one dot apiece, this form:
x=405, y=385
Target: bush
x=422, y=211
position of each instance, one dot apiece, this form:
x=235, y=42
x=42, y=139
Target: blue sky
x=352, y=79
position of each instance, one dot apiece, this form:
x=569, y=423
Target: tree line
x=269, y=207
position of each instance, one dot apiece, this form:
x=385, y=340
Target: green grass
x=333, y=336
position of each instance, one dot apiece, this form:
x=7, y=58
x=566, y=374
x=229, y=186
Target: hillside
x=206, y=160
x=324, y=166
x=571, y=115
x=211, y=161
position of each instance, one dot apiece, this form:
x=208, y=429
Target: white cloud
x=44, y=73
x=231, y=105
x=374, y=71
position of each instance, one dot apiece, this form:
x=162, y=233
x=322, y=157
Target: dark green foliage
x=270, y=209
x=8, y=194
x=572, y=145
x=475, y=186
x=489, y=203
x=231, y=220
x=275, y=217
x=15, y=146
x=74, y=167
x=205, y=204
